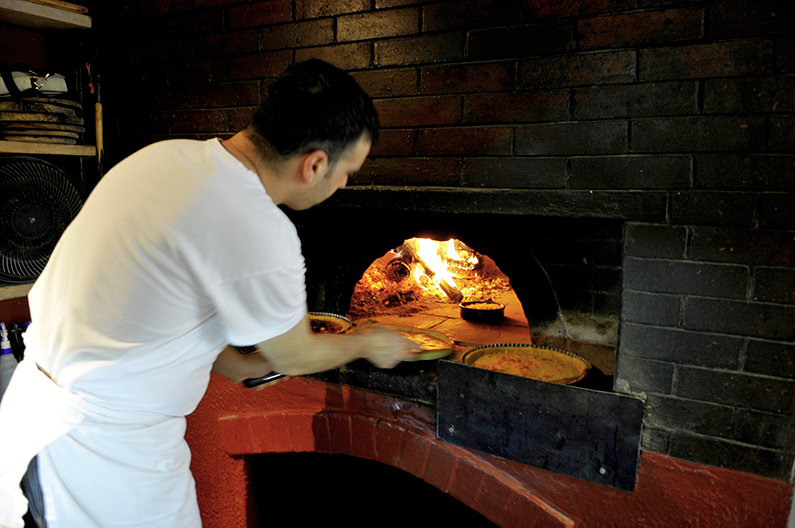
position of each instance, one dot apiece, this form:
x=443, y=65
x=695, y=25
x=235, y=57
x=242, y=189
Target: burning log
x=451, y=290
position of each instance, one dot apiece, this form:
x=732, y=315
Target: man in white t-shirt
x=179, y=251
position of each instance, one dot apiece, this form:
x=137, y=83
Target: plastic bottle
x=7, y=360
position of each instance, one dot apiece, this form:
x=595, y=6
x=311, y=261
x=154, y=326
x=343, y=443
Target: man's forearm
x=237, y=367
x=299, y=351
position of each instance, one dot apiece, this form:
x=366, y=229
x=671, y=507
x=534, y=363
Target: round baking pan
x=482, y=311
x=328, y=323
x=530, y=361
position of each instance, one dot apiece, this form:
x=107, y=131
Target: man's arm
x=237, y=367
x=300, y=351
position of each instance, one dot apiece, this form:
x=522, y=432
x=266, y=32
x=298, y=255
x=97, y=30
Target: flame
x=440, y=263
x=421, y=271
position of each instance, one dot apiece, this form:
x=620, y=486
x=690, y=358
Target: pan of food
x=530, y=361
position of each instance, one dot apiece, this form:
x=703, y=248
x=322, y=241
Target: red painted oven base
x=307, y=415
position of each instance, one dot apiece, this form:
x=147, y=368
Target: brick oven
x=630, y=166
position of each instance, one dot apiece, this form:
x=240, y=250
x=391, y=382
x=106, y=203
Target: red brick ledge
x=303, y=414
x=454, y=470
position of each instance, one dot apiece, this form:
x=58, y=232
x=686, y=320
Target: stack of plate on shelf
x=41, y=120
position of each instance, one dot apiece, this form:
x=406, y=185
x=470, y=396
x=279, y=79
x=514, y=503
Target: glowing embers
x=422, y=273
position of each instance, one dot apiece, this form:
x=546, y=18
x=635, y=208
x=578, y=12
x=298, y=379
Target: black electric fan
x=37, y=202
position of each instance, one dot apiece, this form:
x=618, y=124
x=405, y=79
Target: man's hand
x=386, y=348
x=299, y=351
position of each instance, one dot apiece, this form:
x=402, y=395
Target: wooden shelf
x=14, y=291
x=19, y=147
x=44, y=14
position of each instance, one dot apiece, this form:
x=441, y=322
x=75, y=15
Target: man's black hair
x=315, y=105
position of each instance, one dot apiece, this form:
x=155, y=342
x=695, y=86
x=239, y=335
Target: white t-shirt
x=178, y=252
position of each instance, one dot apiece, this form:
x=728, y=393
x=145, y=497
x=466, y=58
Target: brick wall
x=674, y=117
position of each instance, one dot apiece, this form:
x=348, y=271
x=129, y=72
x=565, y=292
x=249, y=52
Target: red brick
x=228, y=435
x=515, y=173
x=279, y=433
x=299, y=34
x=515, y=108
x=722, y=59
x=381, y=4
x=156, y=123
x=301, y=431
x=610, y=137
x=419, y=111
x=494, y=77
x=324, y=8
x=378, y=24
x=388, y=83
x=229, y=43
x=339, y=425
x=254, y=434
x=362, y=176
x=239, y=118
x=360, y=401
x=394, y=143
x=335, y=396
x=745, y=172
x=520, y=41
x=416, y=171
x=388, y=443
x=261, y=436
x=344, y=56
x=630, y=172
x=173, y=51
x=750, y=95
x=750, y=18
x=577, y=70
x=636, y=100
x=715, y=209
x=468, y=14
x=215, y=3
x=776, y=211
x=192, y=23
x=269, y=64
x=259, y=14
x=533, y=513
x=199, y=72
x=641, y=28
x=491, y=141
x=363, y=436
x=555, y=8
x=785, y=58
x=782, y=134
x=414, y=454
x=174, y=98
x=466, y=482
x=493, y=499
x=441, y=465
x=415, y=50
x=321, y=433
x=198, y=121
x=237, y=94
x=155, y=7
x=698, y=134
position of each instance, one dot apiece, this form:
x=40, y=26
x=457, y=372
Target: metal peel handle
x=253, y=382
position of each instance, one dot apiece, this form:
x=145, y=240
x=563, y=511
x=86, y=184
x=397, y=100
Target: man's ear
x=315, y=165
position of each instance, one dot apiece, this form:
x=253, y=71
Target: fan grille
x=37, y=202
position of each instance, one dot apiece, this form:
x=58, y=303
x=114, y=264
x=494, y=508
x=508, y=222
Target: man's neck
x=245, y=152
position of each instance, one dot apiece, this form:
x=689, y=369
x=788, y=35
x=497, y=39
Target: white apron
x=147, y=450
